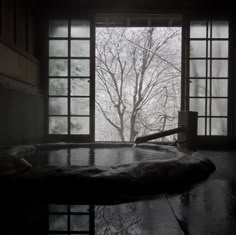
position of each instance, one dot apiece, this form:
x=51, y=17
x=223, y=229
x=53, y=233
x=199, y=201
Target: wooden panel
x=18, y=66
x=30, y=24
x=8, y=21
x=1, y=12
x=21, y=27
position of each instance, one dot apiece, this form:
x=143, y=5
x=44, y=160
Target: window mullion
x=69, y=75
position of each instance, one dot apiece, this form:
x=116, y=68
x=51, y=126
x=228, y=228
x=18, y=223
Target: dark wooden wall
x=21, y=96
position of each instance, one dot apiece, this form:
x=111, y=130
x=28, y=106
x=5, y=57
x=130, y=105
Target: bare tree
x=137, y=79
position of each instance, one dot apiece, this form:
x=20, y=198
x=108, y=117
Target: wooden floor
x=208, y=208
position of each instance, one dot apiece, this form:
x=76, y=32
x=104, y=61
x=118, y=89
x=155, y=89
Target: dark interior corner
x=27, y=60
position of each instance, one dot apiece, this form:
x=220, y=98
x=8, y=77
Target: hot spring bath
x=99, y=173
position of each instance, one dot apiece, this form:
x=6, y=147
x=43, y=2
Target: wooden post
x=188, y=120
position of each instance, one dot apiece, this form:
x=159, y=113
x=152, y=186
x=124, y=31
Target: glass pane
x=198, y=87
x=218, y=126
x=197, y=68
x=208, y=88
x=80, y=48
x=79, y=223
x=57, y=106
x=80, y=67
x=79, y=208
x=57, y=67
x=80, y=86
x=58, y=48
x=208, y=127
x=198, y=29
x=220, y=29
x=58, y=86
x=58, y=125
x=80, y=125
x=58, y=28
x=80, y=28
x=209, y=50
x=201, y=126
x=80, y=106
x=220, y=49
x=219, y=68
x=80, y=157
x=57, y=208
x=219, y=107
x=219, y=87
x=197, y=105
x=58, y=222
x=208, y=68
x=197, y=48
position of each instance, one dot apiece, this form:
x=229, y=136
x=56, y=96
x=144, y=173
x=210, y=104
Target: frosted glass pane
x=218, y=126
x=80, y=106
x=219, y=68
x=80, y=28
x=220, y=49
x=57, y=106
x=79, y=223
x=208, y=127
x=80, y=67
x=198, y=87
x=58, y=48
x=201, y=126
x=57, y=208
x=197, y=68
x=58, y=28
x=219, y=87
x=58, y=86
x=58, y=125
x=197, y=48
x=79, y=208
x=197, y=105
x=80, y=86
x=209, y=50
x=80, y=125
x=220, y=29
x=219, y=107
x=80, y=48
x=58, y=222
x=208, y=88
x=198, y=29
x=58, y=67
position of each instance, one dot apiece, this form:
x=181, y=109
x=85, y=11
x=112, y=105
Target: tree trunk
x=133, y=132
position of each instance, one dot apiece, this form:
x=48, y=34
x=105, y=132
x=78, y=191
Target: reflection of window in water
x=69, y=157
x=90, y=219
x=67, y=219
x=118, y=219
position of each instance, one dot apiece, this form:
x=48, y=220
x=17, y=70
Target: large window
x=138, y=76
x=69, y=77
x=135, y=67
x=208, y=72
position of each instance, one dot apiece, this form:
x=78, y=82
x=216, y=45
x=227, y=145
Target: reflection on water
x=205, y=209
x=101, y=220
x=118, y=219
x=96, y=156
x=70, y=218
